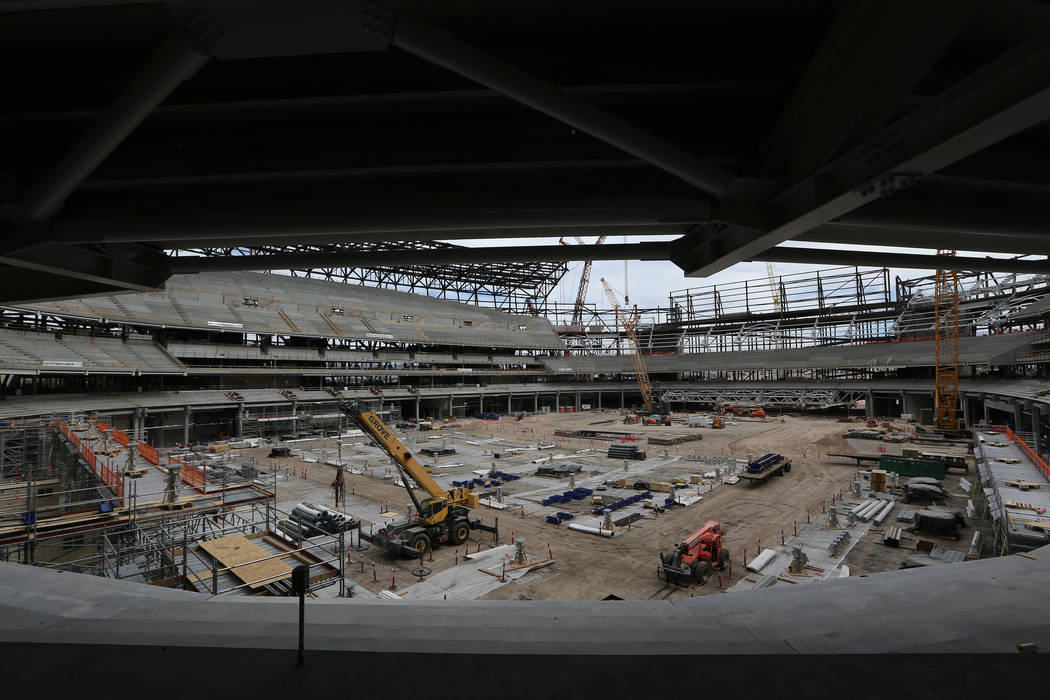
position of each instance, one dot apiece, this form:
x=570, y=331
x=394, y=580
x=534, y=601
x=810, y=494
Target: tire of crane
x=723, y=560
x=459, y=532
x=420, y=543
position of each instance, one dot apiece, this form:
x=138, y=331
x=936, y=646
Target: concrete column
x=138, y=420
x=557, y=401
x=509, y=405
x=238, y=424
x=1018, y=415
x=622, y=404
x=186, y=420
x=1037, y=430
x=481, y=403
x=984, y=406
x=450, y=405
x=577, y=399
x=599, y=399
x=417, y=409
x=536, y=402
x=869, y=404
x=965, y=401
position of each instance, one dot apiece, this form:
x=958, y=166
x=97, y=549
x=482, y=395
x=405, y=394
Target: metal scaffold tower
x=946, y=346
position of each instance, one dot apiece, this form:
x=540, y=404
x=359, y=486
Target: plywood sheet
x=236, y=549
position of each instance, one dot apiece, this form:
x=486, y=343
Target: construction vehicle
x=694, y=560
x=718, y=422
x=760, y=469
x=443, y=517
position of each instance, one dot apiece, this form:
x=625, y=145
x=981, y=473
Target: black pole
x=300, y=582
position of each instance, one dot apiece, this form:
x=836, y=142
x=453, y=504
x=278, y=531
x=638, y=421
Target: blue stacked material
x=668, y=501
x=630, y=500
x=504, y=476
x=763, y=463
x=487, y=416
x=566, y=516
x=558, y=518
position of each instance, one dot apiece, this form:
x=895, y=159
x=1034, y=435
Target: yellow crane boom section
x=400, y=454
x=371, y=423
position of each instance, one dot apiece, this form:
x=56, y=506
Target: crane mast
x=585, y=282
x=629, y=320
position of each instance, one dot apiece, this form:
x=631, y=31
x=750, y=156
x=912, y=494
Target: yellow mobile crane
x=444, y=517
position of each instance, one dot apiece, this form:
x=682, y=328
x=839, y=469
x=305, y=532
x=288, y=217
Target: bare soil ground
x=589, y=567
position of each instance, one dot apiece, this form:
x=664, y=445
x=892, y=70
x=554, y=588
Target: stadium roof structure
x=132, y=129
x=509, y=286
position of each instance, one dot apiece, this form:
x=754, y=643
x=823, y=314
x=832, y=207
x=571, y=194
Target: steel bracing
x=794, y=398
x=517, y=287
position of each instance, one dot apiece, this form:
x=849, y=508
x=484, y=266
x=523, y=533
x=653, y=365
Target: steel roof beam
x=176, y=60
x=552, y=253
x=1006, y=97
x=441, y=48
x=820, y=256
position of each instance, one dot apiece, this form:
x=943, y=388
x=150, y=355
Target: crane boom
x=629, y=320
x=444, y=517
x=585, y=283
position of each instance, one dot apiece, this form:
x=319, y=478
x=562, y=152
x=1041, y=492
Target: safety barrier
x=191, y=475
x=1029, y=452
x=149, y=454
x=109, y=476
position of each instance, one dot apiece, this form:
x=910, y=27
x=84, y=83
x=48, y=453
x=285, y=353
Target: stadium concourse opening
x=295, y=353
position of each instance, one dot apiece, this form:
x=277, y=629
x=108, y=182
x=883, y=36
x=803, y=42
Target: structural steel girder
x=1004, y=98
x=442, y=48
x=622, y=251
x=765, y=397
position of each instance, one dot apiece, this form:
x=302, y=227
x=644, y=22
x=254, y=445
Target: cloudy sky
x=648, y=283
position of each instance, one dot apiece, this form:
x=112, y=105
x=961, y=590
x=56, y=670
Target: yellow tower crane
x=946, y=346
x=629, y=321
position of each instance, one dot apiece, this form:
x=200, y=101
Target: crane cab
x=433, y=510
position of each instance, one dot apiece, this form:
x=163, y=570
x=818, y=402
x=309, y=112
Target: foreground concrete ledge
x=987, y=606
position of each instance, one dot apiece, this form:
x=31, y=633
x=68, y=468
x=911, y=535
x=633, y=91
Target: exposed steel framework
x=946, y=344
x=517, y=287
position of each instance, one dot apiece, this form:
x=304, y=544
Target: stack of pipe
x=884, y=512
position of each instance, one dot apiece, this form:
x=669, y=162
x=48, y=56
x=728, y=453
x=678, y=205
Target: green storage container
x=912, y=467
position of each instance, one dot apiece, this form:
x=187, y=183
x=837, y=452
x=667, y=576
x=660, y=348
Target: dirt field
x=589, y=567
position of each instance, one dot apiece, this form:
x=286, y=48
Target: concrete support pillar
x=577, y=407
x=622, y=404
x=1037, y=432
x=1018, y=415
x=599, y=399
x=869, y=404
x=481, y=403
x=536, y=402
x=509, y=405
x=138, y=424
x=417, y=409
x=238, y=424
x=450, y=405
x=984, y=406
x=965, y=401
x=557, y=401
x=187, y=419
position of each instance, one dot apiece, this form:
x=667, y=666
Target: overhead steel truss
x=517, y=287
x=801, y=398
